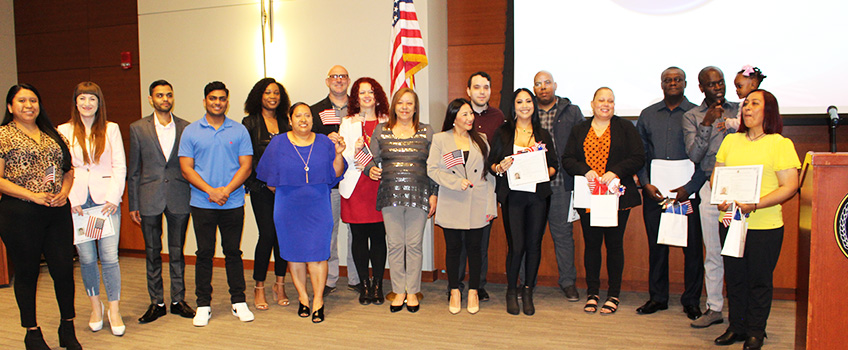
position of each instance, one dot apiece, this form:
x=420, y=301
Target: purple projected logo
x=659, y=7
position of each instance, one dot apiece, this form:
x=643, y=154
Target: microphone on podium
x=832, y=113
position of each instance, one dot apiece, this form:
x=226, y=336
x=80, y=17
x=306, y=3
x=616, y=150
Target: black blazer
x=260, y=138
x=502, y=147
x=626, y=156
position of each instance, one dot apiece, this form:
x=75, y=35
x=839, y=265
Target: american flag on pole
x=50, y=174
x=329, y=117
x=363, y=156
x=453, y=159
x=408, y=56
x=94, y=229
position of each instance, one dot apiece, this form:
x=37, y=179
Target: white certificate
x=667, y=175
x=93, y=224
x=737, y=183
x=528, y=168
x=582, y=195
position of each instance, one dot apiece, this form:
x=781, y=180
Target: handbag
x=674, y=226
x=737, y=231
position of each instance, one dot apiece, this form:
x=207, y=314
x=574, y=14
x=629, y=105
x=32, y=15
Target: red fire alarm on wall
x=126, y=60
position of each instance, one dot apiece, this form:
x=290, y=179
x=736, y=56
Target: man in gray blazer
x=156, y=186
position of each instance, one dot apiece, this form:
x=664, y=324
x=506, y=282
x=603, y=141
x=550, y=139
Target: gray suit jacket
x=458, y=209
x=153, y=183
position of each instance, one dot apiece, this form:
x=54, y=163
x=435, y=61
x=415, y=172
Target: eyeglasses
x=675, y=79
x=337, y=76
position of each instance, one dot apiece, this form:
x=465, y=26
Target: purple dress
x=302, y=212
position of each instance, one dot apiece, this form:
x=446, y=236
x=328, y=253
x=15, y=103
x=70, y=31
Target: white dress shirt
x=166, y=134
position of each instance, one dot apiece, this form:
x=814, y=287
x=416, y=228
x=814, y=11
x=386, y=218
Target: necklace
x=755, y=138
x=305, y=162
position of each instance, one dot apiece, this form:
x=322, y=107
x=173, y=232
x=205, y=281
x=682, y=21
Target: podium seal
x=840, y=226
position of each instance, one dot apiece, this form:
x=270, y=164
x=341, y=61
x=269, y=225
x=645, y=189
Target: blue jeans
x=108, y=248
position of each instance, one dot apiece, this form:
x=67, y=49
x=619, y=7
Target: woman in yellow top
x=750, y=278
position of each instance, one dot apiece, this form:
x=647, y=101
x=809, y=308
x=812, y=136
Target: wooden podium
x=821, y=308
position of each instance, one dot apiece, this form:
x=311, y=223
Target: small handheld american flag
x=328, y=117
x=453, y=159
x=363, y=156
x=688, y=205
x=94, y=229
x=50, y=174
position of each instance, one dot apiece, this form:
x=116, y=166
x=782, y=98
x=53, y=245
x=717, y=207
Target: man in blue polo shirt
x=215, y=157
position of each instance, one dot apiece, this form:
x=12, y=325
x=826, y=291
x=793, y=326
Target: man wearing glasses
x=703, y=131
x=327, y=114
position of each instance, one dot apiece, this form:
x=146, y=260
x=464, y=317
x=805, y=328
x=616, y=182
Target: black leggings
x=30, y=230
x=453, y=249
x=613, y=238
x=525, y=216
x=263, y=211
x=362, y=233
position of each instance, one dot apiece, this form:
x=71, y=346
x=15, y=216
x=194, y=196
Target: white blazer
x=350, y=130
x=103, y=180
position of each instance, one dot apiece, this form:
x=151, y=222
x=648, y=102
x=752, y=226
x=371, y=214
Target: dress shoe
x=651, y=307
x=413, y=309
x=328, y=290
x=243, y=312
x=512, y=302
x=34, y=340
x=455, y=302
x=318, y=315
x=729, y=337
x=527, y=300
x=397, y=308
x=571, y=293
x=692, y=311
x=201, y=319
x=482, y=294
x=154, y=311
x=753, y=343
x=354, y=287
x=709, y=318
x=181, y=308
x=364, y=290
x=67, y=335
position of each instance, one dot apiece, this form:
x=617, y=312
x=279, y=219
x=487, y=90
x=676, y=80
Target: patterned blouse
x=404, y=180
x=36, y=167
x=597, y=150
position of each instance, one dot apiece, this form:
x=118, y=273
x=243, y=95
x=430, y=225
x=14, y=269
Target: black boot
x=34, y=340
x=365, y=292
x=67, y=336
x=527, y=299
x=377, y=291
x=512, y=302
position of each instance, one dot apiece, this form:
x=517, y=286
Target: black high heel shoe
x=303, y=310
x=318, y=315
x=67, y=335
x=34, y=340
x=377, y=291
x=365, y=292
x=397, y=308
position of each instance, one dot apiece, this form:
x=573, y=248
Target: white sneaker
x=241, y=311
x=202, y=316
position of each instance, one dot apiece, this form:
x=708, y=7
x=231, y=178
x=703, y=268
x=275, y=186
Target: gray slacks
x=151, y=229
x=333, y=263
x=404, y=241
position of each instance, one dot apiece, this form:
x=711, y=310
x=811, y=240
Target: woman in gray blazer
x=466, y=196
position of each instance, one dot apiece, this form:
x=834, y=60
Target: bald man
x=558, y=116
x=327, y=114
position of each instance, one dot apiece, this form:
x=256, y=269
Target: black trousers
x=151, y=230
x=693, y=263
x=263, y=210
x=750, y=280
x=455, y=241
x=363, y=252
x=525, y=217
x=613, y=239
x=206, y=223
x=29, y=231
x=484, y=256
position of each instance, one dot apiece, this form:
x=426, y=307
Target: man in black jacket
x=558, y=116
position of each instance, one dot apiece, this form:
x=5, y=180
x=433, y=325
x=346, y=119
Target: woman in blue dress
x=301, y=168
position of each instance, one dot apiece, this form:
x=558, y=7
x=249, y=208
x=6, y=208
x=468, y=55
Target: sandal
x=259, y=298
x=591, y=304
x=280, y=296
x=610, y=306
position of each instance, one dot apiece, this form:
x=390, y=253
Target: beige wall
x=8, y=60
x=190, y=43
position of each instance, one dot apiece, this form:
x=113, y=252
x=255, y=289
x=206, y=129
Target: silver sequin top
x=404, y=181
